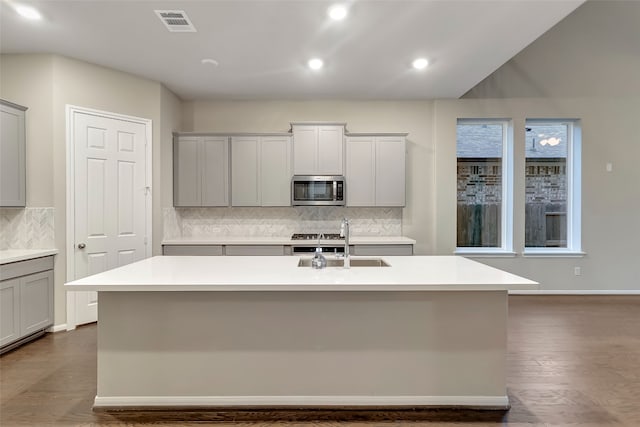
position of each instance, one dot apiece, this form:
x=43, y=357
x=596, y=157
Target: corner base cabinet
x=26, y=301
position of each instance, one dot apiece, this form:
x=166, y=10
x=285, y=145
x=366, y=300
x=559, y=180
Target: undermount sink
x=355, y=262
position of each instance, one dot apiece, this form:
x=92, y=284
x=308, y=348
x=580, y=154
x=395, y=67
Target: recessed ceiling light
x=337, y=12
x=315, y=63
x=28, y=12
x=420, y=63
x=209, y=61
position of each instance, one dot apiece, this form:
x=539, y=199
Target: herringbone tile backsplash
x=279, y=222
x=26, y=228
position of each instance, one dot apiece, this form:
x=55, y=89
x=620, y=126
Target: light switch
x=609, y=166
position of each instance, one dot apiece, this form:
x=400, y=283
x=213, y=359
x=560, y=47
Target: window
x=552, y=186
x=484, y=208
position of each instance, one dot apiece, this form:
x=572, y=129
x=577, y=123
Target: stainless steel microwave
x=317, y=190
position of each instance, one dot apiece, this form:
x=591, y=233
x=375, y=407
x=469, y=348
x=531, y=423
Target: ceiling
x=262, y=46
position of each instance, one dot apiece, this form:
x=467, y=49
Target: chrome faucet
x=344, y=232
x=319, y=261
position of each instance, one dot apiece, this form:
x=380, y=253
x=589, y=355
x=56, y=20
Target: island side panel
x=315, y=348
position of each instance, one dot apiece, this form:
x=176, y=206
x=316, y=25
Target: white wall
x=360, y=116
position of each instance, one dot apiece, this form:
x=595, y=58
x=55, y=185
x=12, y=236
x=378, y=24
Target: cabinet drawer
x=379, y=250
x=22, y=268
x=192, y=250
x=254, y=250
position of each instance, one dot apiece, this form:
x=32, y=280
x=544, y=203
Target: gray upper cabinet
x=318, y=149
x=275, y=172
x=261, y=170
x=375, y=170
x=200, y=171
x=12, y=155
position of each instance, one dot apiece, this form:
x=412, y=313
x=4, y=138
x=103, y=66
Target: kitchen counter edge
x=363, y=240
x=8, y=256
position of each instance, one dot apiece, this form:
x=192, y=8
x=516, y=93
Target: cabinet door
x=305, y=150
x=187, y=177
x=275, y=170
x=9, y=311
x=245, y=171
x=36, y=302
x=390, y=171
x=360, y=171
x=330, y=150
x=192, y=250
x=215, y=171
x=12, y=157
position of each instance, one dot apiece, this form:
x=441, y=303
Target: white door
x=110, y=197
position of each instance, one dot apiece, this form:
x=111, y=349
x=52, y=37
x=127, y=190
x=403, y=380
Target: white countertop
x=15, y=255
x=258, y=240
x=281, y=273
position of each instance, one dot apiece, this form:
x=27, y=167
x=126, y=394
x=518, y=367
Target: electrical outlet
x=577, y=271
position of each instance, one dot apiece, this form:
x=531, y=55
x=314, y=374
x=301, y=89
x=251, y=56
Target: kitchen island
x=261, y=331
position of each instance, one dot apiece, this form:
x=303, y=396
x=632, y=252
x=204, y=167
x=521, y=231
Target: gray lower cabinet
x=266, y=250
x=382, y=250
x=192, y=250
x=254, y=250
x=26, y=300
x=215, y=250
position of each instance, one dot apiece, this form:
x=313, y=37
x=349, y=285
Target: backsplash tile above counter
x=26, y=228
x=278, y=222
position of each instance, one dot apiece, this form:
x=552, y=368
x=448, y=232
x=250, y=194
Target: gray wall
x=610, y=200
x=586, y=67
x=593, y=52
x=46, y=84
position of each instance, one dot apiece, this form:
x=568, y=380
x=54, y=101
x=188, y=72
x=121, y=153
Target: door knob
x=81, y=246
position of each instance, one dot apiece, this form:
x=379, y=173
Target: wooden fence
x=480, y=225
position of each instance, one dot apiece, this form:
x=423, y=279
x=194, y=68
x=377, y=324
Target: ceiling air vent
x=176, y=21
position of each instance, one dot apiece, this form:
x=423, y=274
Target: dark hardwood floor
x=573, y=360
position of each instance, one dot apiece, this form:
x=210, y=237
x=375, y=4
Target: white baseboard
x=58, y=328
x=577, y=292
x=488, y=402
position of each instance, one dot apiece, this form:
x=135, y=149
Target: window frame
x=506, y=244
x=574, y=191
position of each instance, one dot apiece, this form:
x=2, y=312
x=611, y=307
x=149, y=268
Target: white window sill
x=546, y=253
x=487, y=253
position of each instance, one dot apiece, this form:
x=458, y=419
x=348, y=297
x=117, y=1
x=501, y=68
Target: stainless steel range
x=309, y=243
x=314, y=236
